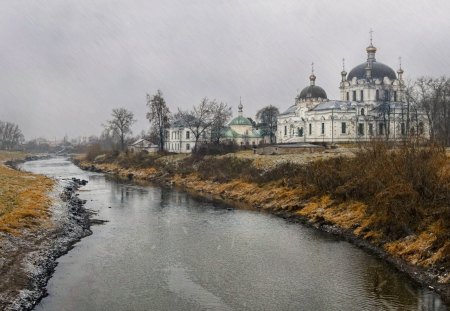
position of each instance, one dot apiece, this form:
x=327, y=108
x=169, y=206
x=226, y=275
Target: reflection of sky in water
x=164, y=250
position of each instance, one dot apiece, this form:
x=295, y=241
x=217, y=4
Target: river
x=162, y=249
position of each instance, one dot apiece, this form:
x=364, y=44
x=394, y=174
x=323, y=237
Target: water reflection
x=162, y=249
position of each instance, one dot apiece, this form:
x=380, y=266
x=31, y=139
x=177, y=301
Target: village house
x=143, y=144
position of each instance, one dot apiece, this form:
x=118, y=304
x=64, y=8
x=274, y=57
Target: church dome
x=379, y=71
x=240, y=120
x=312, y=91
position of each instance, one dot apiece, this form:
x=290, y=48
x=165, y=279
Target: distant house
x=143, y=145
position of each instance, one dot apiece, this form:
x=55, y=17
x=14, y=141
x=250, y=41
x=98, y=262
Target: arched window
x=362, y=111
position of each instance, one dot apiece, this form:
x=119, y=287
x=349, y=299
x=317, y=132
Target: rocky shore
x=282, y=202
x=28, y=260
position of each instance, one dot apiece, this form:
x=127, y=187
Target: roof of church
x=312, y=91
x=230, y=133
x=290, y=110
x=334, y=104
x=379, y=71
x=240, y=120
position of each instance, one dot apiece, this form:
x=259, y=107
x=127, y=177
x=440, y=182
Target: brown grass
x=23, y=197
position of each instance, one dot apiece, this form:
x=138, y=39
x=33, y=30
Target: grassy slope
x=23, y=197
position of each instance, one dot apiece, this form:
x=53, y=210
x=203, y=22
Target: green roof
x=231, y=134
x=240, y=121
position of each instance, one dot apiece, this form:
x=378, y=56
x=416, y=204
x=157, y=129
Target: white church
x=372, y=106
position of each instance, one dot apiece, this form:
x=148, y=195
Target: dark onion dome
x=379, y=71
x=313, y=91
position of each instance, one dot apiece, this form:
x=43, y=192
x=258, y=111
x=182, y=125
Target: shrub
x=93, y=151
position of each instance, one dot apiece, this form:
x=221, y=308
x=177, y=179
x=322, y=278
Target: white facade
x=179, y=139
x=371, y=106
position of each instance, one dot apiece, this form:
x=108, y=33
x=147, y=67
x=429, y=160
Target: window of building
x=323, y=128
x=285, y=130
x=348, y=96
x=310, y=128
x=362, y=111
x=188, y=147
x=403, y=128
x=370, y=129
x=386, y=95
x=361, y=129
x=300, y=131
x=361, y=95
x=354, y=96
x=343, y=127
x=377, y=95
x=395, y=96
x=381, y=129
x=188, y=135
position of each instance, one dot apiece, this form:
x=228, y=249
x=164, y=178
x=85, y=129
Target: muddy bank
x=14, y=163
x=27, y=261
x=279, y=201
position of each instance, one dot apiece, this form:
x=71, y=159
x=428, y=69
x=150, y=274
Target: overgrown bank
x=393, y=201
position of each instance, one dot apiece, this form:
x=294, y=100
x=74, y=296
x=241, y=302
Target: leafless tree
x=433, y=97
x=159, y=116
x=199, y=120
x=10, y=135
x=221, y=114
x=267, y=118
x=121, y=124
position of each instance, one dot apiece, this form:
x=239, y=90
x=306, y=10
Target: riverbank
x=322, y=194
x=40, y=219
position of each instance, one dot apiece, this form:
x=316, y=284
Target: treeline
x=10, y=136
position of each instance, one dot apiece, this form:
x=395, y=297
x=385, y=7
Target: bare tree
x=267, y=118
x=221, y=114
x=432, y=96
x=159, y=116
x=120, y=125
x=198, y=120
x=10, y=135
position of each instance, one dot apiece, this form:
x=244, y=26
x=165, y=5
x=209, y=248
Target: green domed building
x=242, y=132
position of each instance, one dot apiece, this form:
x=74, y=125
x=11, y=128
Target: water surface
x=164, y=250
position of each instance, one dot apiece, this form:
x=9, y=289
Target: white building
x=143, y=144
x=240, y=130
x=371, y=106
x=179, y=138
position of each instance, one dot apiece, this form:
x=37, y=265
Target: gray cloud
x=65, y=64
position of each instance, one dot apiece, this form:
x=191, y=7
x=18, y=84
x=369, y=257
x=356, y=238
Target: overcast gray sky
x=64, y=65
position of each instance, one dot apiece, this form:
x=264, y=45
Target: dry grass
x=23, y=197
